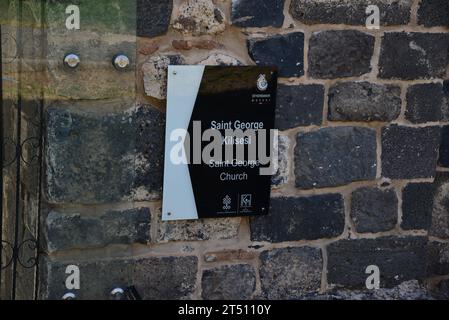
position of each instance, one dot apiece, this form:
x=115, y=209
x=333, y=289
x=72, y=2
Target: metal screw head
x=72, y=60
x=121, y=62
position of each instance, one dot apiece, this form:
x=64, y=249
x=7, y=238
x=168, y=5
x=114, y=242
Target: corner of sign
x=172, y=69
x=166, y=216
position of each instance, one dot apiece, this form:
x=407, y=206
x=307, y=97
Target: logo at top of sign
x=262, y=83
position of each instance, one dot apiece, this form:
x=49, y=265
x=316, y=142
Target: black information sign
x=233, y=111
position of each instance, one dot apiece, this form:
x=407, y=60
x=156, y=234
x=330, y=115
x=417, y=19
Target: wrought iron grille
x=22, y=35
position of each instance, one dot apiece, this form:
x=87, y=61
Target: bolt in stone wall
x=363, y=180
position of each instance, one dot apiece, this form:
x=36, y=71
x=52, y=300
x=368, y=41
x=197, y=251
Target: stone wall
x=364, y=120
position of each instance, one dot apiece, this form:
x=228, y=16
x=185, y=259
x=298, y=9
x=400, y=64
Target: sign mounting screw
x=72, y=60
x=121, y=62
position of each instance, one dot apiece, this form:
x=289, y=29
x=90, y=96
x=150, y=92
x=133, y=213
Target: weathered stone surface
x=108, y=156
x=440, y=211
x=233, y=282
x=153, y=17
x=284, y=51
x=364, y=101
x=155, y=74
x=409, y=153
x=350, y=12
x=230, y=255
x=432, y=13
x=411, y=56
x=148, y=162
x=335, y=156
x=425, y=206
x=374, y=210
x=75, y=231
x=338, y=54
x=97, y=279
x=299, y=105
x=200, y=17
x=399, y=259
x=426, y=102
x=207, y=44
x=108, y=27
x=193, y=230
x=158, y=278
x=149, y=48
x=182, y=44
x=203, y=44
x=290, y=273
x=282, y=174
x=220, y=59
x=407, y=290
x=305, y=218
x=437, y=259
x=259, y=13
x=417, y=204
x=442, y=290
x=105, y=16
x=443, y=159
x=94, y=78
x=166, y=278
